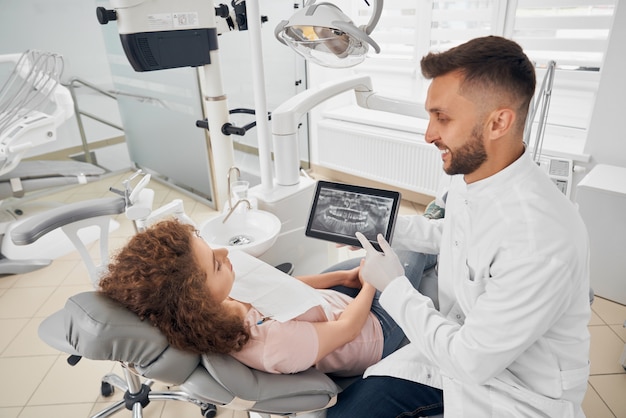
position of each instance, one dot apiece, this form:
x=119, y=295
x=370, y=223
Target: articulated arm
x=39, y=225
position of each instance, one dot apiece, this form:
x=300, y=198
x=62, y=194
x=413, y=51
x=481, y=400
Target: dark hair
x=490, y=64
x=157, y=277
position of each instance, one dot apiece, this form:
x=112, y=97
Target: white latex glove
x=379, y=269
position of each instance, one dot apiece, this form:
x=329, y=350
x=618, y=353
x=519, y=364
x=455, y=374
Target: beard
x=470, y=156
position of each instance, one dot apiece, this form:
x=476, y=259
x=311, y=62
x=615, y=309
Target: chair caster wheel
x=106, y=389
x=209, y=411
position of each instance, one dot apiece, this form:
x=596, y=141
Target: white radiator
x=395, y=157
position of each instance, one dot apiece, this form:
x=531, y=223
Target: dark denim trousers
x=387, y=397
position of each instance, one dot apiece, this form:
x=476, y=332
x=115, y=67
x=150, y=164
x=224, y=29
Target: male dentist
x=510, y=338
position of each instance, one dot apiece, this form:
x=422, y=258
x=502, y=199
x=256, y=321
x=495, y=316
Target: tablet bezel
x=394, y=198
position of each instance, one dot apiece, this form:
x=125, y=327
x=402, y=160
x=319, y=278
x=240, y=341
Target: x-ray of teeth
x=344, y=213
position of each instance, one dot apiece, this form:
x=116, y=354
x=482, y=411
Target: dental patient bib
x=273, y=293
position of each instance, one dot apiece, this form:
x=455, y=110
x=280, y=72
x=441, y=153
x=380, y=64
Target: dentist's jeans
x=402, y=399
x=406, y=398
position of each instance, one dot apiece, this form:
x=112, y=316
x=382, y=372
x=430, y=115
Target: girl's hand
x=353, y=278
x=364, y=284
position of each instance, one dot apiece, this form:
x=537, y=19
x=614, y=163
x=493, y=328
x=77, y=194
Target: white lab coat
x=510, y=338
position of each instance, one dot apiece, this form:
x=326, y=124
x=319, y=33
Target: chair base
x=138, y=395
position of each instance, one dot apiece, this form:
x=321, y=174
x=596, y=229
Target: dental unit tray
x=340, y=210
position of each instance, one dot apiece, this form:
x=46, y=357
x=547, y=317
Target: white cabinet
x=601, y=197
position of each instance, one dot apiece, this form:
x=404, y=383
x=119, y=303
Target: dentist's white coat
x=511, y=338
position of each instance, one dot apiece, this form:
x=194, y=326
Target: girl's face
x=219, y=270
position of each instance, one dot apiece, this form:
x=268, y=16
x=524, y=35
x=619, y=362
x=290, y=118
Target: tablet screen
x=340, y=210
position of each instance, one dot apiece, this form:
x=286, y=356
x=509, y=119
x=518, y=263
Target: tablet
x=340, y=210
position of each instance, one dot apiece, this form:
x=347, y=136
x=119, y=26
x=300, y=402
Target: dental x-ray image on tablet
x=340, y=210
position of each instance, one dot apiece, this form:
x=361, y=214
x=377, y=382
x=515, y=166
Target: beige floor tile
x=57, y=197
x=410, y=208
x=606, y=348
x=8, y=281
x=28, y=343
x=20, y=378
x=116, y=243
x=46, y=276
x=58, y=298
x=23, y=302
x=75, y=410
x=79, y=197
x=175, y=409
x=65, y=384
x=9, y=329
x=79, y=276
x=594, y=406
x=610, y=312
x=10, y=412
x=202, y=213
x=153, y=410
x=72, y=256
x=613, y=391
x=189, y=203
x=620, y=330
x=229, y=413
x=595, y=319
x=126, y=228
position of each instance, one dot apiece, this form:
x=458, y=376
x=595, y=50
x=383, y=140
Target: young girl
x=171, y=277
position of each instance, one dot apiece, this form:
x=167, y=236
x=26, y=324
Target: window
x=573, y=33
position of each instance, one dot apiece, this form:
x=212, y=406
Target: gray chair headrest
x=98, y=328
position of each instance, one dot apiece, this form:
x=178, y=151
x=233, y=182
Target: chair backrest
x=98, y=328
x=94, y=326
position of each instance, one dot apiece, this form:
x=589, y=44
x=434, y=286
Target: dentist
x=510, y=338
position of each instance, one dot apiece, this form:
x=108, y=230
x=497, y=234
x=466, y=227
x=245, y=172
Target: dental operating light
x=323, y=34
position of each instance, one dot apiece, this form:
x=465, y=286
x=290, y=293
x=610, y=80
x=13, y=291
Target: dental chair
x=33, y=104
x=94, y=326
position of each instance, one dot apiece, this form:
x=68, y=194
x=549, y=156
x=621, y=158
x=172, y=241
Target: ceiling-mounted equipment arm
x=378, y=10
x=286, y=118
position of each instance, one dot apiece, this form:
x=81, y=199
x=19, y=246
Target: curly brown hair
x=157, y=277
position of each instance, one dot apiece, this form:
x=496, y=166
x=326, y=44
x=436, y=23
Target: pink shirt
x=292, y=346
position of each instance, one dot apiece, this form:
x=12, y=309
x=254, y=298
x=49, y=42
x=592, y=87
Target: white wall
x=606, y=140
x=67, y=27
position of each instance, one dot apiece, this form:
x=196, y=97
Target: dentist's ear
x=379, y=269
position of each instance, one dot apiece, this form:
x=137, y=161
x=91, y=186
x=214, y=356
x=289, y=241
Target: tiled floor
x=36, y=381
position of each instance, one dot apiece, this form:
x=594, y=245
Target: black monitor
x=340, y=210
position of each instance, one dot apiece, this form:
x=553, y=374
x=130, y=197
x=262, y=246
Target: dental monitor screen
x=340, y=210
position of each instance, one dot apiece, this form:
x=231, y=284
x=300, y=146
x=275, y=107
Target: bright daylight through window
x=574, y=34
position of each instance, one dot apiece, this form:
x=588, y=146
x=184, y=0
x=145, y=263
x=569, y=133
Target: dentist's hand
x=379, y=269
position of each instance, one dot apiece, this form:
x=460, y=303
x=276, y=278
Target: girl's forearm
x=325, y=280
x=334, y=334
x=356, y=313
